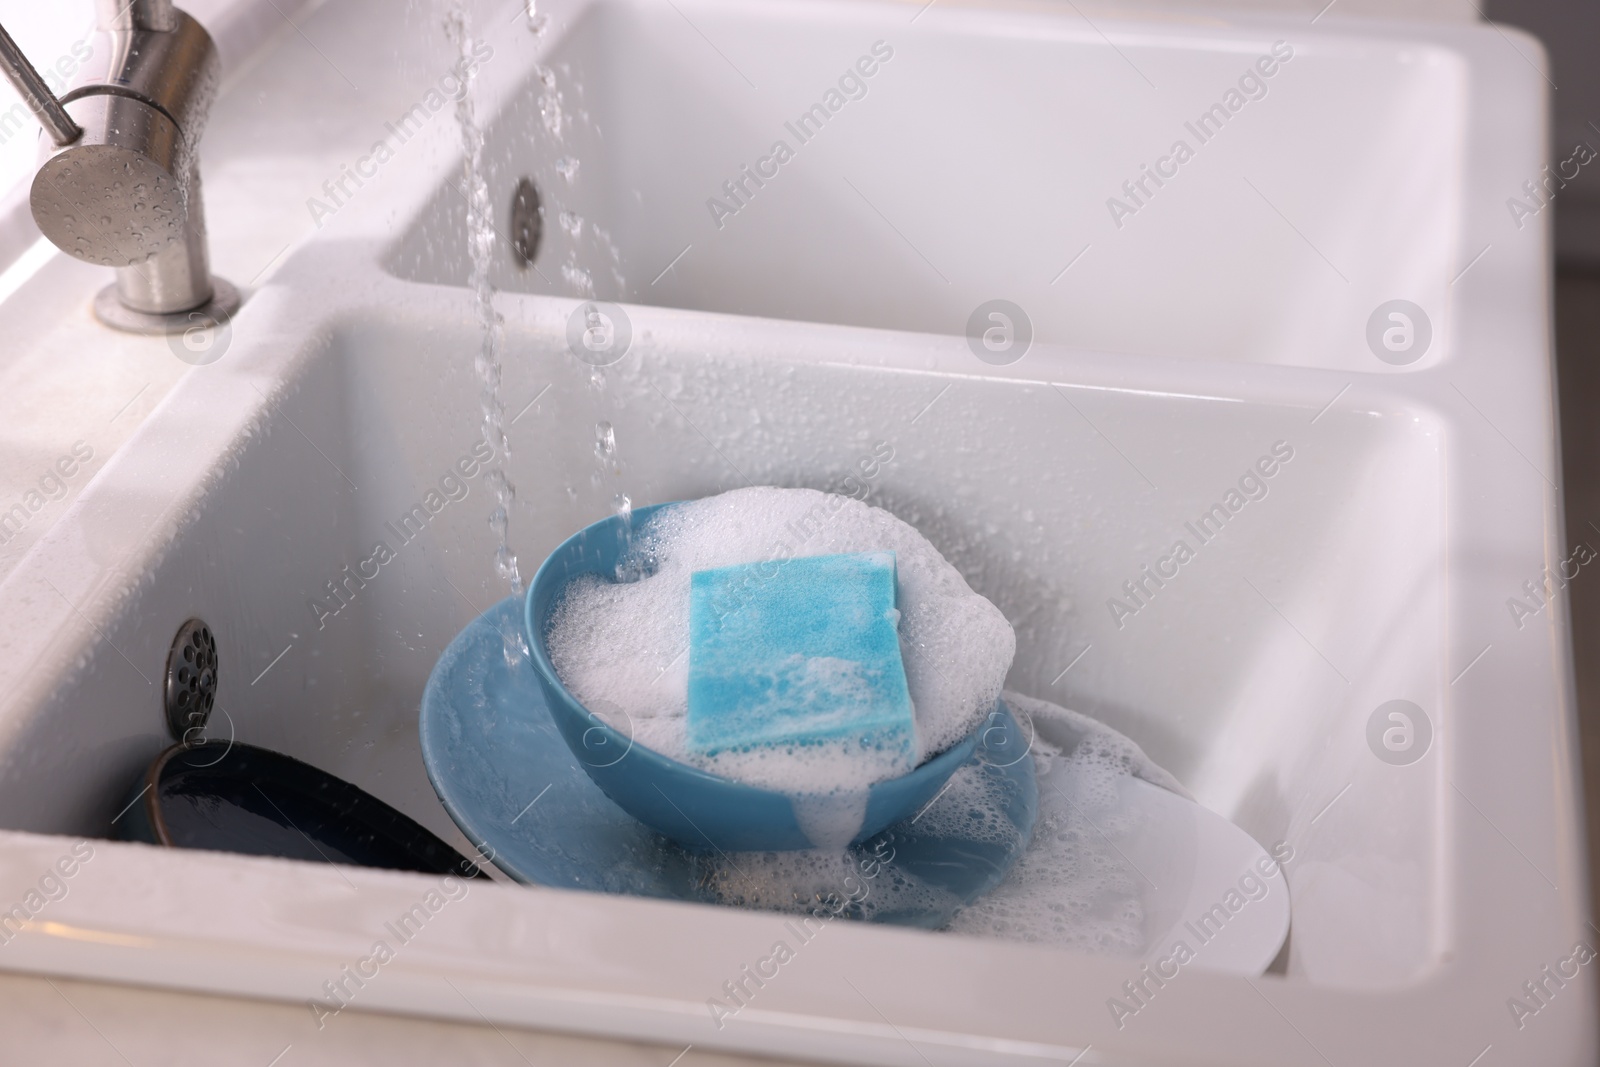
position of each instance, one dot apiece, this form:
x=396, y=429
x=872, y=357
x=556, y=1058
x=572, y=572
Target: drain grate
x=191, y=681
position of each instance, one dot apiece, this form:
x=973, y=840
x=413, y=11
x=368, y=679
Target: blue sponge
x=795, y=651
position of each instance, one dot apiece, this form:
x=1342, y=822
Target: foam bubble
x=621, y=647
x=1072, y=888
x=823, y=883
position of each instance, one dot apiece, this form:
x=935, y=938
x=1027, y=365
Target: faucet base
x=224, y=303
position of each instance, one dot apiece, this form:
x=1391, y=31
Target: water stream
x=487, y=362
x=482, y=242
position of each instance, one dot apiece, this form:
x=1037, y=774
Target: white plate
x=1208, y=886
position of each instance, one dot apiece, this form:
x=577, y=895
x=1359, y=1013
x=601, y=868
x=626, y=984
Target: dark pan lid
x=231, y=797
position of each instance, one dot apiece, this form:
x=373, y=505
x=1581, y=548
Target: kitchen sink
x=1315, y=352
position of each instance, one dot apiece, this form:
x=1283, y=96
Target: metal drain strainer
x=191, y=680
x=527, y=223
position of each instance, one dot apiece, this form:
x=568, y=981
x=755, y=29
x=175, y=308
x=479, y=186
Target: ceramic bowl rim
x=957, y=753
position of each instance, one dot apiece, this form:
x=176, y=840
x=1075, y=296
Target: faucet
x=119, y=181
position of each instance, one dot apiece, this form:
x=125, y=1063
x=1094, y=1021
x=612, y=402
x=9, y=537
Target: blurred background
x=1570, y=30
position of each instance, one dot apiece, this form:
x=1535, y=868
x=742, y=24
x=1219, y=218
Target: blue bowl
x=700, y=811
x=518, y=793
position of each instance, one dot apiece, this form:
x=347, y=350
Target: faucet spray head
x=125, y=192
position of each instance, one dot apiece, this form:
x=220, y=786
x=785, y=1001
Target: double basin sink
x=1204, y=347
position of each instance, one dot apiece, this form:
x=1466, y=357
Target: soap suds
x=621, y=647
x=1072, y=888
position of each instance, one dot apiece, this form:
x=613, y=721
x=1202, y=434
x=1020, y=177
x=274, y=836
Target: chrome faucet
x=119, y=184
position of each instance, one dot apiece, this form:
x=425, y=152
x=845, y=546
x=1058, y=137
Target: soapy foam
x=823, y=883
x=622, y=647
x=830, y=820
x=865, y=883
x=1070, y=888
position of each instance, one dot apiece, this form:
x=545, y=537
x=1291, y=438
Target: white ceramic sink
x=1223, y=324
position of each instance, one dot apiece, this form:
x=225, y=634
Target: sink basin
x=1339, y=187
x=1204, y=370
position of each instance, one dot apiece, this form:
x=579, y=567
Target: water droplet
x=578, y=278
x=536, y=22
